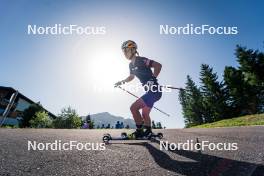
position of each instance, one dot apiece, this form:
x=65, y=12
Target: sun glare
x=101, y=64
x=107, y=67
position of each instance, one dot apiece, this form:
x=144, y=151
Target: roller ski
x=133, y=136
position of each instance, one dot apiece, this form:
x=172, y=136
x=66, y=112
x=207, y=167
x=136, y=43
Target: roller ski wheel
x=106, y=138
x=153, y=136
x=160, y=135
x=107, y=134
x=124, y=135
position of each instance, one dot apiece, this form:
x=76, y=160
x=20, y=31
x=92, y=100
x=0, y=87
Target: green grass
x=257, y=119
x=9, y=126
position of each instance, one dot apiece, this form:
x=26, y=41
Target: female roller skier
x=141, y=67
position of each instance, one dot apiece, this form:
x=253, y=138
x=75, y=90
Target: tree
x=237, y=90
x=251, y=64
x=68, y=119
x=214, y=95
x=108, y=126
x=91, y=124
x=159, y=126
x=41, y=120
x=30, y=112
x=153, y=124
x=88, y=118
x=240, y=93
x=191, y=101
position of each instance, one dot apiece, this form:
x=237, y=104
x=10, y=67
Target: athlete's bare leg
x=145, y=114
x=135, y=107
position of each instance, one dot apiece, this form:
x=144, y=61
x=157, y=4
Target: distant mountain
x=107, y=118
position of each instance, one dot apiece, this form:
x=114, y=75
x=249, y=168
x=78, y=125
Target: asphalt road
x=132, y=157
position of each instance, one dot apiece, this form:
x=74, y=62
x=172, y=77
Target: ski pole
x=138, y=97
x=170, y=87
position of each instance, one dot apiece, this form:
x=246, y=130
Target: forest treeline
x=240, y=91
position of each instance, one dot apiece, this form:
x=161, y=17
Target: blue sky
x=61, y=70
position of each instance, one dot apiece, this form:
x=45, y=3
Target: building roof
x=20, y=95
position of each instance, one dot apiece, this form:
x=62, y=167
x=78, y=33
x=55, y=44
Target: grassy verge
x=257, y=119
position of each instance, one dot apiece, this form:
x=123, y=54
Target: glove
x=119, y=83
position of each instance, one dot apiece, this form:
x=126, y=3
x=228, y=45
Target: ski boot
x=139, y=133
x=147, y=134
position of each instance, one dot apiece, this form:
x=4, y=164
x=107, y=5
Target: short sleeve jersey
x=142, y=69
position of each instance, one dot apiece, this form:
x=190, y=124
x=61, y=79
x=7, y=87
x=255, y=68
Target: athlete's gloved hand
x=119, y=83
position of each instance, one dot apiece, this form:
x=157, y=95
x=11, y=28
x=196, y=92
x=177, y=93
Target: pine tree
x=191, y=101
x=252, y=68
x=158, y=125
x=240, y=93
x=237, y=91
x=214, y=95
x=153, y=124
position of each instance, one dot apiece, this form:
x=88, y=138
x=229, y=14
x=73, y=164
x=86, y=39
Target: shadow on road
x=202, y=164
